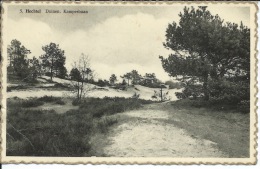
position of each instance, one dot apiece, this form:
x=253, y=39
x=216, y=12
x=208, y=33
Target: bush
x=104, y=123
x=61, y=102
x=231, y=92
x=31, y=103
x=107, y=106
x=59, y=85
x=174, y=85
x=20, y=87
x=49, y=99
x=152, y=85
x=190, y=90
x=76, y=102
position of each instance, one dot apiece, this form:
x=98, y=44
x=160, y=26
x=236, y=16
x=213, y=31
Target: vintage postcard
x=129, y=82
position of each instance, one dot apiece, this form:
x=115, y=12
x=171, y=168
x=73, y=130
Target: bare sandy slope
x=146, y=134
x=40, y=90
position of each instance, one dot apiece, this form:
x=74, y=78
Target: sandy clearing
x=145, y=135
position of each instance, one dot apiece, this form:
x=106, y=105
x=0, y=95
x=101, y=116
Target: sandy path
x=146, y=134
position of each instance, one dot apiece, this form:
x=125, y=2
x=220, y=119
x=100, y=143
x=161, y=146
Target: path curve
x=146, y=133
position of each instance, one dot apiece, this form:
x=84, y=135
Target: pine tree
x=54, y=60
x=113, y=79
x=17, y=56
x=206, y=48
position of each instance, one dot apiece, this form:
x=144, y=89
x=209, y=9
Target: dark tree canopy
x=136, y=77
x=112, y=79
x=75, y=74
x=128, y=77
x=54, y=60
x=206, y=48
x=35, y=67
x=17, y=56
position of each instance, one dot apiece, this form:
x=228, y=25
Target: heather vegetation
x=38, y=132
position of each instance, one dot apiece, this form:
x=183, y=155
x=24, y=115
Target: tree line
x=134, y=78
x=52, y=62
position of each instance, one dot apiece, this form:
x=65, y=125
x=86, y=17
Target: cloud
x=117, y=45
x=128, y=40
x=32, y=34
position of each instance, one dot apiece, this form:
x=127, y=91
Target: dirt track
x=146, y=133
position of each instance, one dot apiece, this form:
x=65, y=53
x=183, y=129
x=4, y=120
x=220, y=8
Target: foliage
x=76, y=102
x=49, y=99
x=105, y=122
x=150, y=80
x=206, y=48
x=102, y=83
x=136, y=77
x=60, y=102
x=112, y=79
x=128, y=77
x=60, y=85
x=75, y=74
x=31, y=103
x=54, y=60
x=174, y=85
x=17, y=56
x=34, y=67
x=232, y=92
x=19, y=65
x=107, y=106
x=123, y=82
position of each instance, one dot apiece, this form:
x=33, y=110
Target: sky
x=116, y=39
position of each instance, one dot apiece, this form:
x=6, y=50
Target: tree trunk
x=51, y=68
x=81, y=89
x=51, y=73
x=205, y=86
x=78, y=91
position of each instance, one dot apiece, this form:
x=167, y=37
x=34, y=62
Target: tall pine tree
x=205, y=48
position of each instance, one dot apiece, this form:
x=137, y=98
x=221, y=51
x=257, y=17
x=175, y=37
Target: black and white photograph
x=129, y=82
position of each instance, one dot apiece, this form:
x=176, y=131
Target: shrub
x=61, y=102
x=76, y=102
x=153, y=85
x=49, y=99
x=107, y=106
x=31, y=103
x=10, y=88
x=224, y=91
x=59, y=85
x=104, y=123
x=174, y=85
x=190, y=90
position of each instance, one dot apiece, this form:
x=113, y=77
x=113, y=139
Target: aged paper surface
x=129, y=83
